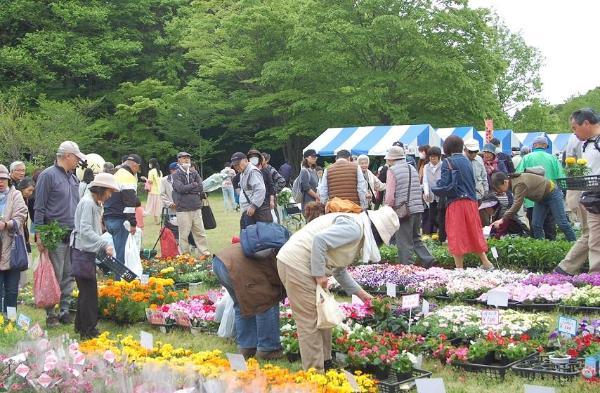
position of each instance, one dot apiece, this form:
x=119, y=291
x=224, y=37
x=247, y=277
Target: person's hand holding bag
x=329, y=314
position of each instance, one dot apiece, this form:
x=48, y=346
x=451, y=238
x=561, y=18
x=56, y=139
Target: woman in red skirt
x=463, y=226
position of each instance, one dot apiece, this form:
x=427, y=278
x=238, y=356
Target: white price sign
x=410, y=301
x=391, y=289
x=490, y=317
x=567, y=325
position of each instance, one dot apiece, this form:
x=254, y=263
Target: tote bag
x=329, y=314
x=18, y=253
x=208, y=218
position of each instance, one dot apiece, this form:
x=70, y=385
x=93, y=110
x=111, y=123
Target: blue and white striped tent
x=463, y=132
x=527, y=139
x=559, y=142
x=508, y=139
x=374, y=140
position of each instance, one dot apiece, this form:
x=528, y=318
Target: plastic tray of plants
x=497, y=371
x=397, y=383
x=543, y=368
x=580, y=183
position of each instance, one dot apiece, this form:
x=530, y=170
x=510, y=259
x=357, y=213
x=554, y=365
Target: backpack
x=263, y=239
x=297, y=193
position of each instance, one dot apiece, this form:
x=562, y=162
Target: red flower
x=443, y=337
x=572, y=353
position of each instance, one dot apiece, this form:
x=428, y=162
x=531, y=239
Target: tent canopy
x=508, y=139
x=559, y=142
x=465, y=133
x=527, y=139
x=372, y=141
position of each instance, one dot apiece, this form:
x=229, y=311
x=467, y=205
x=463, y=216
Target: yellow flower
x=570, y=160
x=581, y=161
x=435, y=236
x=425, y=237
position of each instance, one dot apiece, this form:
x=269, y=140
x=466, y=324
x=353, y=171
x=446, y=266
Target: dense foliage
x=214, y=76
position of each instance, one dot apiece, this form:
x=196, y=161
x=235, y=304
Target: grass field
x=228, y=226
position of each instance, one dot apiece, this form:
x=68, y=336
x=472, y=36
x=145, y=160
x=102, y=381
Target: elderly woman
x=86, y=241
x=13, y=212
x=491, y=162
x=463, y=226
x=373, y=183
x=323, y=248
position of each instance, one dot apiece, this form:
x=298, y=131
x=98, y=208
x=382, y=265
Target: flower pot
x=293, y=357
x=559, y=360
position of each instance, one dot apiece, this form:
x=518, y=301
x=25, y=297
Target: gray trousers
x=61, y=262
x=408, y=241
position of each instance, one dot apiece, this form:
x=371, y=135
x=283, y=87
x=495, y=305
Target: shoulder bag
x=402, y=209
x=18, y=254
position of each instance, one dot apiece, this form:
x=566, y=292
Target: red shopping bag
x=46, y=290
x=168, y=245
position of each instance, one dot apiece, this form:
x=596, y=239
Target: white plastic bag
x=132, y=256
x=220, y=305
x=227, y=326
x=274, y=216
x=329, y=314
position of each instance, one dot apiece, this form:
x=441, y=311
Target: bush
x=513, y=252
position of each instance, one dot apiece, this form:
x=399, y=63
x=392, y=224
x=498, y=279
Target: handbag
x=18, y=254
x=451, y=189
x=591, y=202
x=208, y=218
x=329, y=314
x=147, y=185
x=83, y=264
x=402, y=209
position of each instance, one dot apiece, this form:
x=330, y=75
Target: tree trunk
x=292, y=152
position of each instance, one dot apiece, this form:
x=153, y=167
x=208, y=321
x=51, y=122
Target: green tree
x=539, y=116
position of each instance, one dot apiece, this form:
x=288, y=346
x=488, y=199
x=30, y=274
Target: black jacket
x=187, y=190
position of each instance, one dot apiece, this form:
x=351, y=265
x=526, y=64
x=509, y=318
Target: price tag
x=146, y=340
x=391, y=289
x=155, y=317
x=410, y=301
x=24, y=321
x=356, y=300
x=495, y=253
x=490, y=317
x=352, y=381
x=425, y=307
x=538, y=389
x=237, y=362
x=35, y=331
x=144, y=278
x=497, y=298
x=22, y=370
x=430, y=385
x=182, y=319
x=567, y=325
x=11, y=313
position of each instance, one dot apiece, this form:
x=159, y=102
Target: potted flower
x=559, y=357
x=402, y=366
x=289, y=342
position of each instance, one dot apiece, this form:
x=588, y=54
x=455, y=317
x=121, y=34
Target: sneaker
x=66, y=318
x=559, y=270
x=248, y=352
x=273, y=355
x=52, y=322
x=428, y=264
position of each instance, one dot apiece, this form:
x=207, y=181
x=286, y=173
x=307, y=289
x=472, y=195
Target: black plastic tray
x=490, y=370
x=110, y=265
x=534, y=306
x=541, y=367
x=580, y=309
x=392, y=385
x=581, y=183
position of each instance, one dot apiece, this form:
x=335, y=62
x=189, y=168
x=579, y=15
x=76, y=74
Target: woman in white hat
x=13, y=213
x=86, y=241
x=323, y=248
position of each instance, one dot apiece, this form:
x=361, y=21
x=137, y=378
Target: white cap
x=471, y=145
x=70, y=147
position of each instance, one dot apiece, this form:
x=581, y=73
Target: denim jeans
x=9, y=288
x=229, y=199
x=115, y=227
x=552, y=203
x=260, y=331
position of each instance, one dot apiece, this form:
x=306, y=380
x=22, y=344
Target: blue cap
x=172, y=166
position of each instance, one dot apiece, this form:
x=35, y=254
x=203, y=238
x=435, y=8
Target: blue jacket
x=466, y=183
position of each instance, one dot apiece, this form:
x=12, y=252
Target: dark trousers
x=549, y=224
x=430, y=219
x=442, y=219
x=87, y=305
x=9, y=288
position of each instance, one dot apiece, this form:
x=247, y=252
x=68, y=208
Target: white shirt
x=592, y=155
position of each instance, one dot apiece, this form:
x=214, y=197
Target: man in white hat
x=471, y=151
x=56, y=198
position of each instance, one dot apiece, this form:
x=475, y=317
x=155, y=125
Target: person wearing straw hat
x=325, y=247
x=86, y=241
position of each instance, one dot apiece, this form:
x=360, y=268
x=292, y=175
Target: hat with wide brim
x=386, y=221
x=395, y=153
x=106, y=180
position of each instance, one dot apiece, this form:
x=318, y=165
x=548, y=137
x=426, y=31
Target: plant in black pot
x=402, y=366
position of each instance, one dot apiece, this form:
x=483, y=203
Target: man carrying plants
x=56, y=198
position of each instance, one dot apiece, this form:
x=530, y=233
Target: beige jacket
x=15, y=209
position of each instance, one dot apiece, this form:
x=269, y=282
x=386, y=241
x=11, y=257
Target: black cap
x=237, y=157
x=135, y=158
x=310, y=153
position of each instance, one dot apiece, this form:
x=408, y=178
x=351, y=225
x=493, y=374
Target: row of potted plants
x=182, y=269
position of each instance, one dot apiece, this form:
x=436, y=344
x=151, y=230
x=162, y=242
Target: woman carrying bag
x=13, y=212
x=86, y=241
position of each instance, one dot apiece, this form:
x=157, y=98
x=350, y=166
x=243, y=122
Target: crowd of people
x=453, y=192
